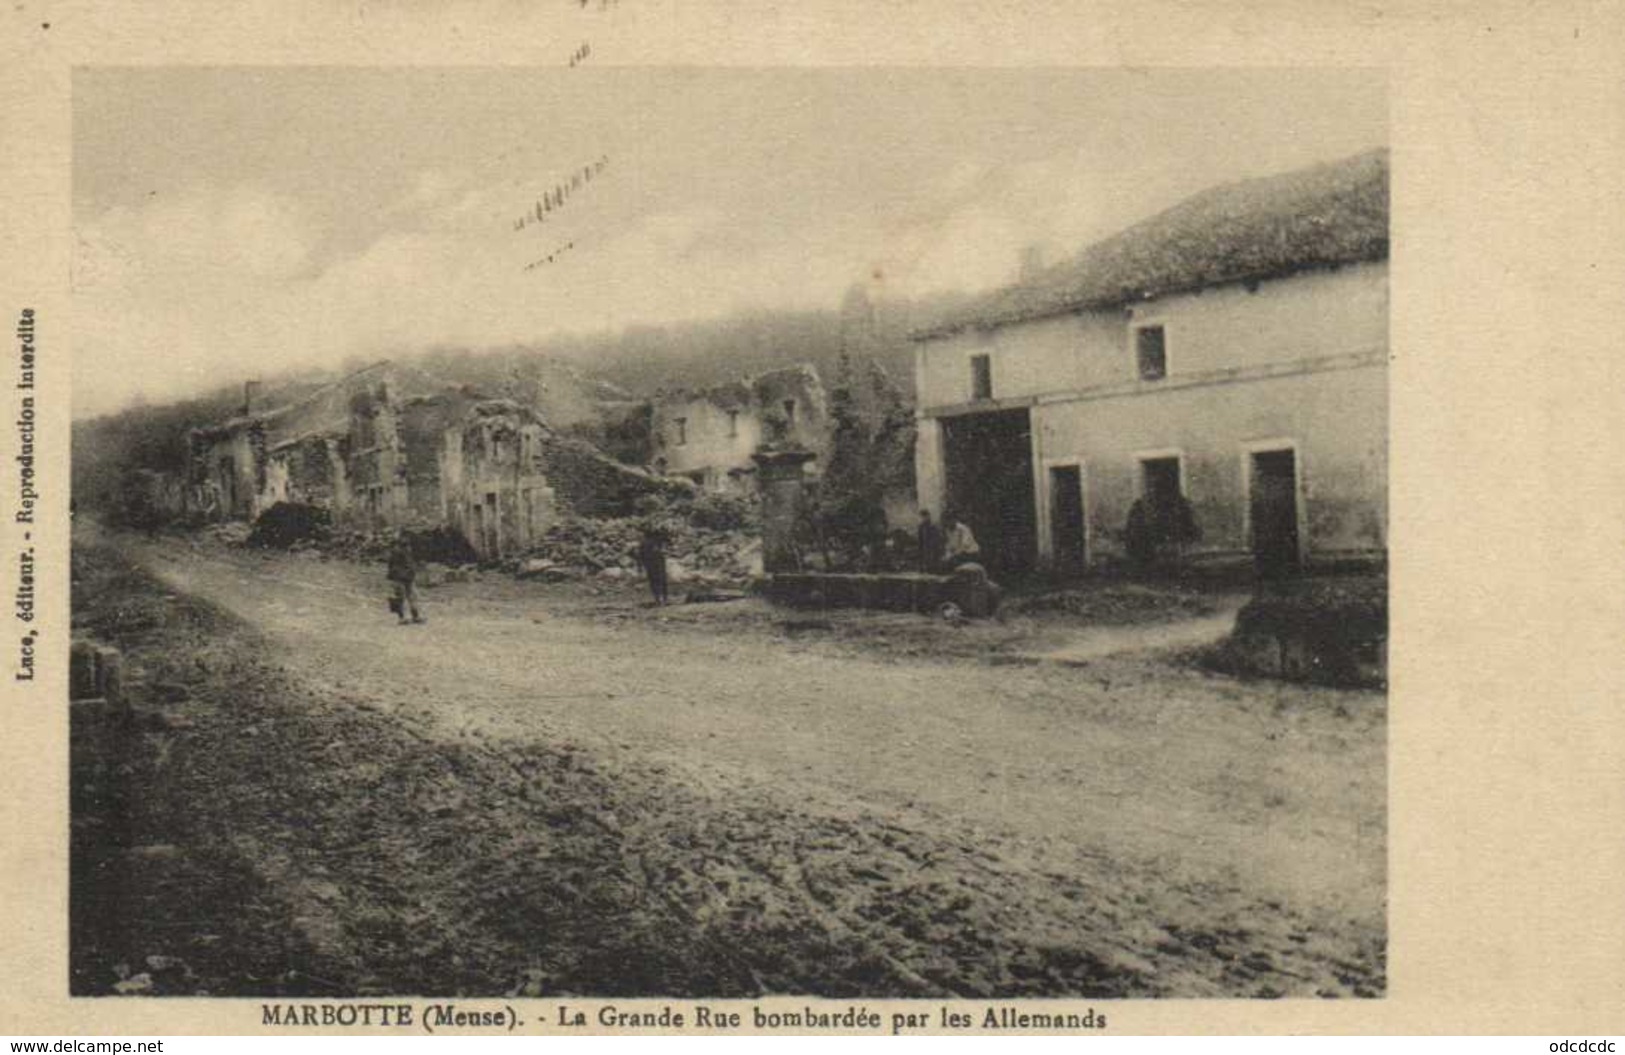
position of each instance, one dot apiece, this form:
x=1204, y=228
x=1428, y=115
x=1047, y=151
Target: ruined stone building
x=229, y=472
x=393, y=446
x=298, y=451
x=492, y=480
x=384, y=447
x=1228, y=356
x=708, y=435
x=390, y=447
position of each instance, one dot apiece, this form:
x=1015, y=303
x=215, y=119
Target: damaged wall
x=377, y=464
x=590, y=483
x=228, y=469
x=310, y=470
x=493, y=480
x=623, y=429
x=332, y=447
x=709, y=435
x=421, y=425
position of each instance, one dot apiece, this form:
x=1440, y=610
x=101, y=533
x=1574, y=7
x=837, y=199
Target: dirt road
x=1179, y=832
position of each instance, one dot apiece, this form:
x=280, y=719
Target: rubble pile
x=362, y=546
x=723, y=512
x=226, y=532
x=594, y=484
x=438, y=545
x=287, y=524
x=441, y=545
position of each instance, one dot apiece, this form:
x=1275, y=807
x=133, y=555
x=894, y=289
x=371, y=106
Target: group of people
x=948, y=546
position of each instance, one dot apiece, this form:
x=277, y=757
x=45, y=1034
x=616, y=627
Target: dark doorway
x=1161, y=478
x=1273, y=509
x=228, y=483
x=989, y=462
x=491, y=522
x=1066, y=520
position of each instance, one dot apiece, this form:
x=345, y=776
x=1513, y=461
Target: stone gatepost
x=95, y=672
x=780, y=476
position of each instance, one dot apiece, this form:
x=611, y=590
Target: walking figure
x=403, y=573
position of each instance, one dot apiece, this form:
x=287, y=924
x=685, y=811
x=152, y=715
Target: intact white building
x=1232, y=350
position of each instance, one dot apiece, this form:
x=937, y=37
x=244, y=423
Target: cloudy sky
x=234, y=222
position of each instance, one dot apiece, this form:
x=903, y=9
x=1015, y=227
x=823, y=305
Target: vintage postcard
x=710, y=522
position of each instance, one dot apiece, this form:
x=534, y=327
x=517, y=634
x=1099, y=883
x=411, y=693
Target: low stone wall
x=1333, y=632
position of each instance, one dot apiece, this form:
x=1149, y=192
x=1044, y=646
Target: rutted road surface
x=790, y=817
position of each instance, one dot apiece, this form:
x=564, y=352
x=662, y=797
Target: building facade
x=1227, y=358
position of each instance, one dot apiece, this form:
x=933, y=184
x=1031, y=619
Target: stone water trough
x=782, y=480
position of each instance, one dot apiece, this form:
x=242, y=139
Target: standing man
x=962, y=545
x=403, y=573
x=1140, y=536
x=651, y=554
x=930, y=542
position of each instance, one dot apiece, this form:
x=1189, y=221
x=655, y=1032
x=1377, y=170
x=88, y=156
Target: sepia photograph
x=701, y=532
